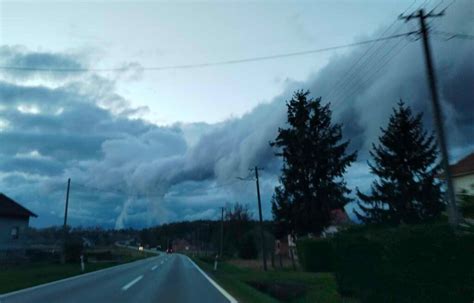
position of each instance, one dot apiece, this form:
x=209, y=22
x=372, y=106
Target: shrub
x=425, y=263
x=315, y=255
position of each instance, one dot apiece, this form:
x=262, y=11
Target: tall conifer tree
x=405, y=164
x=314, y=161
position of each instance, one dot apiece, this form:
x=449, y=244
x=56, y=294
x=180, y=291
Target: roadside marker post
x=82, y=263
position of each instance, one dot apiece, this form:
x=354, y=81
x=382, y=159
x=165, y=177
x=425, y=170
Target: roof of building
x=339, y=216
x=465, y=166
x=10, y=208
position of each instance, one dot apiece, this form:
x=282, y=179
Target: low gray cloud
x=128, y=172
x=20, y=63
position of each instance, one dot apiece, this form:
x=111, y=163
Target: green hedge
x=426, y=263
x=316, y=255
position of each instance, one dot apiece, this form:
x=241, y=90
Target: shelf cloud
x=129, y=172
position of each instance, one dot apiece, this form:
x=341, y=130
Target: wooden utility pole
x=222, y=233
x=421, y=16
x=63, y=255
x=262, y=234
x=67, y=203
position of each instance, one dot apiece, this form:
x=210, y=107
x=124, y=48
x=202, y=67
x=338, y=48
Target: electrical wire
x=383, y=63
x=338, y=94
x=350, y=71
x=209, y=64
x=454, y=35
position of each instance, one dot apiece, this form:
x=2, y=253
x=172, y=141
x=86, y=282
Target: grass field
x=23, y=276
x=317, y=287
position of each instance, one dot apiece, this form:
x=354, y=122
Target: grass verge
x=319, y=287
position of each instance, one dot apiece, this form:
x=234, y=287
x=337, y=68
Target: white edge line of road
x=131, y=283
x=20, y=291
x=222, y=291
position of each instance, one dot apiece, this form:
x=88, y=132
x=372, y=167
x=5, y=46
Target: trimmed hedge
x=425, y=263
x=315, y=255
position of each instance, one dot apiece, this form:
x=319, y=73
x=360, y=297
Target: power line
x=383, y=62
x=370, y=56
x=351, y=70
x=376, y=63
x=448, y=6
x=366, y=67
x=388, y=57
x=454, y=35
x=208, y=64
x=434, y=7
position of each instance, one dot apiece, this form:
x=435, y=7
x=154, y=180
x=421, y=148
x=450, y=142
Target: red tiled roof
x=10, y=208
x=464, y=166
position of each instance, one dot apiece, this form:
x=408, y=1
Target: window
x=14, y=232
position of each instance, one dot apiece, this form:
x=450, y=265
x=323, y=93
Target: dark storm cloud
x=47, y=131
x=62, y=123
x=24, y=60
x=134, y=173
x=45, y=167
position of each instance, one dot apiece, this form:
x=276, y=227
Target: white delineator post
x=82, y=263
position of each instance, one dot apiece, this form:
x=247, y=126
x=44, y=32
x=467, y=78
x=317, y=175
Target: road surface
x=165, y=278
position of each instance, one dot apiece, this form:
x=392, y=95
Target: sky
x=145, y=147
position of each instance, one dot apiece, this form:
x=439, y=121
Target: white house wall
x=465, y=182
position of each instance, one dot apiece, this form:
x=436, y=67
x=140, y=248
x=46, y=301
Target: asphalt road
x=165, y=278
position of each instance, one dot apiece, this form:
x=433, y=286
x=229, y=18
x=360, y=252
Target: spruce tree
x=314, y=161
x=405, y=163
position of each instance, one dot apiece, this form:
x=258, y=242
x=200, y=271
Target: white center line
x=154, y=267
x=132, y=282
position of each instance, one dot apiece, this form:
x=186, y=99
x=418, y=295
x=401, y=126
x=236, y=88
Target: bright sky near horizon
x=161, y=33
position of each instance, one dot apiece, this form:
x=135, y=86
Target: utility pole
x=262, y=235
x=67, y=203
x=63, y=255
x=222, y=233
x=452, y=206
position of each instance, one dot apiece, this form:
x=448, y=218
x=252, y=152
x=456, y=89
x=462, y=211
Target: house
x=14, y=220
x=463, y=175
x=339, y=219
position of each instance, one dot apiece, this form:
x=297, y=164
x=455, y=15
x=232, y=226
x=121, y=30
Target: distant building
x=180, y=245
x=14, y=220
x=463, y=175
x=339, y=219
